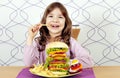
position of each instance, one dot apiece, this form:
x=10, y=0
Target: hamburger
x=75, y=66
x=57, y=61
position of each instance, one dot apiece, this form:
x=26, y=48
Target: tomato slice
x=76, y=66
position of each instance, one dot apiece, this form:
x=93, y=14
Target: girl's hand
x=32, y=32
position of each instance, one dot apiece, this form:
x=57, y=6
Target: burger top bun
x=56, y=45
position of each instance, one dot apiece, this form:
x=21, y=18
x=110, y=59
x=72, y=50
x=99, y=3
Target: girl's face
x=56, y=22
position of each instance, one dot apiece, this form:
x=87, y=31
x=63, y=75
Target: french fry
x=40, y=70
x=44, y=25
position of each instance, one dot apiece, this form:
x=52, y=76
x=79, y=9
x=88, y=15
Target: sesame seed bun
x=56, y=45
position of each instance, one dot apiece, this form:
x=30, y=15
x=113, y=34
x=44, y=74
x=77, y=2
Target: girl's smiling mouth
x=55, y=26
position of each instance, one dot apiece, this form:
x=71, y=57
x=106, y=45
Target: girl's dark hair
x=44, y=32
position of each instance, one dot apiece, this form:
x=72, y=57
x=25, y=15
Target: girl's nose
x=55, y=19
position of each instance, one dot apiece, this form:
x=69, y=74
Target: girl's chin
x=55, y=29
x=55, y=32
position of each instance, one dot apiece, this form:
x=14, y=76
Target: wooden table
x=107, y=71
x=100, y=71
x=10, y=71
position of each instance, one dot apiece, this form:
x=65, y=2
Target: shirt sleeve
x=31, y=54
x=81, y=54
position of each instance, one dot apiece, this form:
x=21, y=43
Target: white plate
x=39, y=74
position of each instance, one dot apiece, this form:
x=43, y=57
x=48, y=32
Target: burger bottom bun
x=59, y=73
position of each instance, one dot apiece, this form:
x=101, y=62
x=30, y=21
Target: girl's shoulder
x=72, y=40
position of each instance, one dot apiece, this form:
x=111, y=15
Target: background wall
x=97, y=19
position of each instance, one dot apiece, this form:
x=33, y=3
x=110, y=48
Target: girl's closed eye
x=60, y=16
x=50, y=16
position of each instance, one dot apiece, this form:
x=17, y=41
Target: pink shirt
x=32, y=56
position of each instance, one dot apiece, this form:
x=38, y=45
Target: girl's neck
x=57, y=38
x=53, y=37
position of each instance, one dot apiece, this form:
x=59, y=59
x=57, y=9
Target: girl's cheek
x=48, y=20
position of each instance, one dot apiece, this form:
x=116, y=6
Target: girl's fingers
x=38, y=26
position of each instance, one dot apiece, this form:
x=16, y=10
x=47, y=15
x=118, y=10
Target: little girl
x=54, y=26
